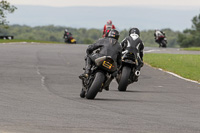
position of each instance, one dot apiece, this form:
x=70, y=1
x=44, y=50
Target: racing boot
x=87, y=69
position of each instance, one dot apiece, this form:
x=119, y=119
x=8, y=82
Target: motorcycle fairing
x=106, y=63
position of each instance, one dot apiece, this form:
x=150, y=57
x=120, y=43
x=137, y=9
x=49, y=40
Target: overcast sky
x=62, y=3
x=145, y=14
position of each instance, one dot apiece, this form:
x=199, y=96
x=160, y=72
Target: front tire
x=82, y=94
x=123, y=83
x=164, y=44
x=96, y=85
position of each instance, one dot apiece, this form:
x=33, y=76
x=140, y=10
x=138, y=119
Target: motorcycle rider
x=158, y=33
x=67, y=34
x=108, y=27
x=108, y=46
x=133, y=43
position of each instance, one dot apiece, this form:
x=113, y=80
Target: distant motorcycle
x=70, y=40
x=127, y=73
x=99, y=78
x=162, y=41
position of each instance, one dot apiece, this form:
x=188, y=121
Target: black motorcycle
x=162, y=41
x=70, y=40
x=127, y=73
x=100, y=77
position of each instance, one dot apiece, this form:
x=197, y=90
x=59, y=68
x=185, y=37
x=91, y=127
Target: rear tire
x=123, y=83
x=96, y=85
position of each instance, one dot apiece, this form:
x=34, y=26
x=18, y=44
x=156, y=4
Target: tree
x=191, y=37
x=82, y=35
x=5, y=8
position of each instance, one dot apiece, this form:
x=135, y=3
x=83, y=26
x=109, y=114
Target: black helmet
x=113, y=34
x=134, y=30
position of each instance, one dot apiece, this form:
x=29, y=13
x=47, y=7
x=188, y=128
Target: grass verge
x=187, y=66
x=192, y=49
x=16, y=40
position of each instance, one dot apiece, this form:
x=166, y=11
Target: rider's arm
x=163, y=33
x=104, y=29
x=124, y=44
x=141, y=48
x=119, y=61
x=113, y=27
x=154, y=34
x=94, y=46
x=119, y=57
x=141, y=55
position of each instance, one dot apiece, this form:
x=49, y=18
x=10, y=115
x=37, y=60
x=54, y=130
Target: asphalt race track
x=39, y=93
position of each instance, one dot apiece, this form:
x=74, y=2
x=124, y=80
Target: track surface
x=39, y=93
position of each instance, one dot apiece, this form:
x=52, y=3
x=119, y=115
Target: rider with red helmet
x=107, y=28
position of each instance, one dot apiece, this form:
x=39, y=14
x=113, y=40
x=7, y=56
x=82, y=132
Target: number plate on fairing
x=107, y=64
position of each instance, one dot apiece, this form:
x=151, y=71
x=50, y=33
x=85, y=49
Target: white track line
x=176, y=75
x=42, y=77
x=148, y=51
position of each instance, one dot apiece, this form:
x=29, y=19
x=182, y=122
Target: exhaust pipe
x=137, y=73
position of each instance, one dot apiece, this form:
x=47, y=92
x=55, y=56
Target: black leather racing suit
x=108, y=47
x=135, y=45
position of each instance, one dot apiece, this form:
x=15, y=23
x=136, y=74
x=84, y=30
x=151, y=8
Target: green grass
x=16, y=40
x=192, y=49
x=187, y=66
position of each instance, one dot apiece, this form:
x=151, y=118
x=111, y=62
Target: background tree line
x=82, y=35
x=189, y=37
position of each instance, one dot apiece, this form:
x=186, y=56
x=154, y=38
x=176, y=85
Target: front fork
x=107, y=82
x=86, y=82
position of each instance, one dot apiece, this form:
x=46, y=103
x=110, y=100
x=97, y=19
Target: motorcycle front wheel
x=82, y=94
x=164, y=44
x=123, y=83
x=96, y=85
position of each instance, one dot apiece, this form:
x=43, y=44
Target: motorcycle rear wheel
x=96, y=85
x=123, y=83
